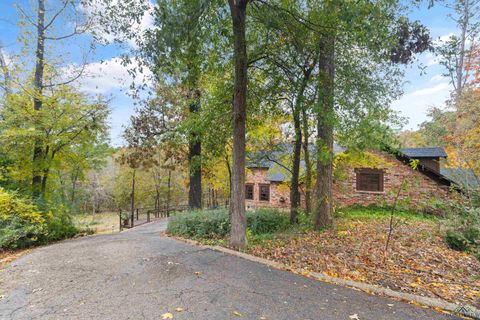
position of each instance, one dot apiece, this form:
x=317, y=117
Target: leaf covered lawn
x=418, y=260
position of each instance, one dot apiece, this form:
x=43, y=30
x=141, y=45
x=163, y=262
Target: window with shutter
x=265, y=192
x=369, y=180
x=249, y=192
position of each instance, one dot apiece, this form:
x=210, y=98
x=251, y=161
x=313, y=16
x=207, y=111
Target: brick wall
x=345, y=193
x=279, y=192
x=395, y=172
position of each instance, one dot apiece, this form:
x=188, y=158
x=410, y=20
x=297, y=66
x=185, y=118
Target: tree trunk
x=194, y=158
x=44, y=181
x=132, y=197
x=74, y=186
x=306, y=155
x=238, y=10
x=38, y=154
x=297, y=150
x=461, y=59
x=325, y=123
x=168, y=191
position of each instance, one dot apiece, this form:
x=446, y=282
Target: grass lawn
x=418, y=260
x=105, y=222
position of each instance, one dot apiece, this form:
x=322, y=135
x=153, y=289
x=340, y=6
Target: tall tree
x=454, y=51
x=174, y=50
x=325, y=124
x=238, y=11
x=353, y=95
x=45, y=22
x=38, y=153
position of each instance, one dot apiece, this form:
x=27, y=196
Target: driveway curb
x=438, y=304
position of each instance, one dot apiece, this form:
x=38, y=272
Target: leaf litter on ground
x=418, y=261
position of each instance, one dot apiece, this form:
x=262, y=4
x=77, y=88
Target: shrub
x=263, y=221
x=21, y=223
x=463, y=232
x=214, y=224
x=456, y=240
x=200, y=224
x=59, y=225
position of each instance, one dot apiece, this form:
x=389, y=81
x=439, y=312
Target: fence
x=139, y=216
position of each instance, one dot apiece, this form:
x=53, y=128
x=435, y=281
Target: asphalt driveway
x=139, y=274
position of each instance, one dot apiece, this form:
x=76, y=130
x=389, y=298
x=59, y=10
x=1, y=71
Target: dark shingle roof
x=275, y=171
x=464, y=178
x=432, y=152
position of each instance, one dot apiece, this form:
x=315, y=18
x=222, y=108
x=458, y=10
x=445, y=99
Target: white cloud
x=430, y=91
x=103, y=78
x=437, y=78
x=443, y=38
x=415, y=104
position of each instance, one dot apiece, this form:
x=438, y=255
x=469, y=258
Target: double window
x=369, y=180
x=264, y=192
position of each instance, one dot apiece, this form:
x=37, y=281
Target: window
x=249, y=192
x=369, y=180
x=264, y=192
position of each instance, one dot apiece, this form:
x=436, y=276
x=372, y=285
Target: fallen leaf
x=179, y=309
x=197, y=273
x=238, y=314
x=354, y=317
x=167, y=315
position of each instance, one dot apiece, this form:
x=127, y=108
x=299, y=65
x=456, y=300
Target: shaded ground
x=139, y=274
x=418, y=261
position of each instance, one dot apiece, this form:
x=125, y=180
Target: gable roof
x=431, y=152
x=464, y=178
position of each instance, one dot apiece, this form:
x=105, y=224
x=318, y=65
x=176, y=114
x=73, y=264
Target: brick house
x=267, y=182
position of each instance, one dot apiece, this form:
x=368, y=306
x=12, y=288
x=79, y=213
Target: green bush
x=463, y=232
x=59, y=225
x=23, y=224
x=214, y=224
x=263, y=221
x=456, y=240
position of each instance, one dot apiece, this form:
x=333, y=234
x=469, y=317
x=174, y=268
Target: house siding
x=279, y=192
x=395, y=172
x=345, y=192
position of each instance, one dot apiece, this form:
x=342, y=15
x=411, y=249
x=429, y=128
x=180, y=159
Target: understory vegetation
x=23, y=224
x=215, y=225
x=463, y=233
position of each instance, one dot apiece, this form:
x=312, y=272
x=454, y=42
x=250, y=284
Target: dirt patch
x=8, y=256
x=417, y=262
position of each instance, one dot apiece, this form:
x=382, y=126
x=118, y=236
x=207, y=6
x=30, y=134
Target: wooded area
x=225, y=79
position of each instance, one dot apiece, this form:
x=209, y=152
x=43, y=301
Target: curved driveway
x=139, y=274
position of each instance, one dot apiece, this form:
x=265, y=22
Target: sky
x=423, y=88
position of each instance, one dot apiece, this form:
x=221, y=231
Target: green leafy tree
x=66, y=122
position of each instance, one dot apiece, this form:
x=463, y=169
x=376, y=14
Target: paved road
x=139, y=274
